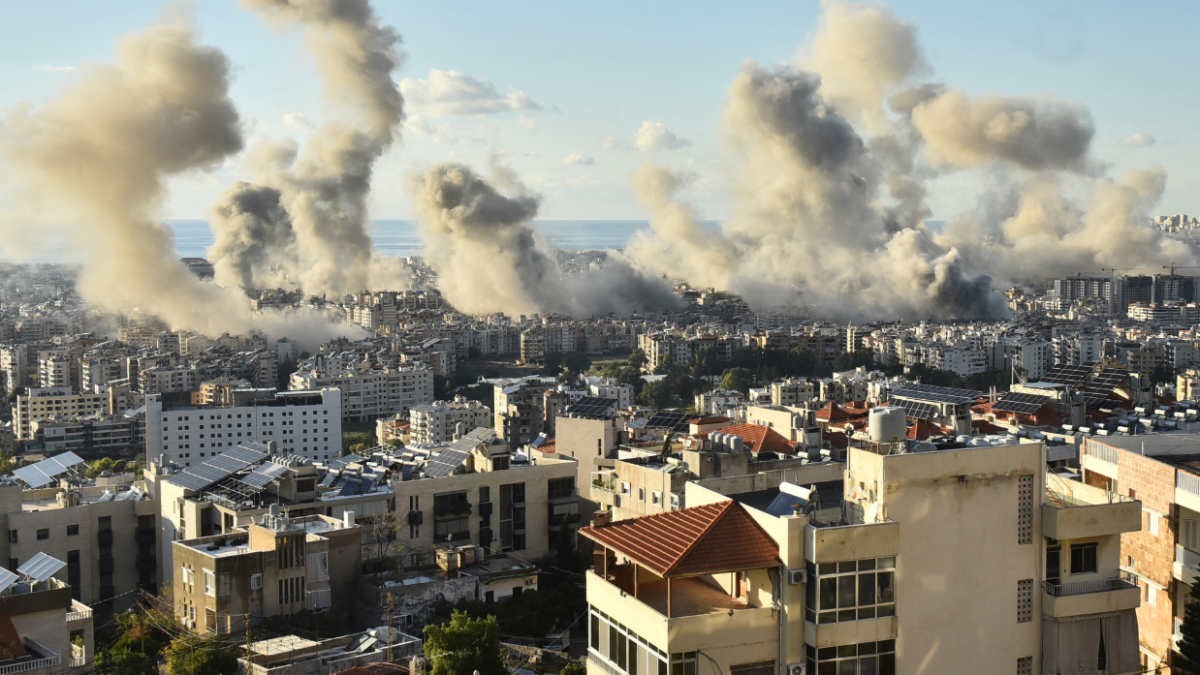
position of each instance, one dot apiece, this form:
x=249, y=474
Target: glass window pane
x=885, y=610
x=866, y=564
x=847, y=566
x=887, y=563
x=866, y=613
x=887, y=664
x=828, y=593
x=844, y=651
x=827, y=668
x=884, y=581
x=827, y=568
x=868, y=666
x=846, y=591
x=848, y=667
x=866, y=588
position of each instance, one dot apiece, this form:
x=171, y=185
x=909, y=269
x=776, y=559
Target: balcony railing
x=30, y=665
x=1188, y=483
x=1115, y=583
x=1102, y=452
x=78, y=655
x=78, y=612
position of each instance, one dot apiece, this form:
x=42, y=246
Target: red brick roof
x=761, y=439
x=707, y=539
x=830, y=412
x=711, y=419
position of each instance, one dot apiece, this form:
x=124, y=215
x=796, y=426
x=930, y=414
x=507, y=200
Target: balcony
x=701, y=616
x=78, y=612
x=1075, y=510
x=1093, y=596
x=40, y=659
x=1187, y=565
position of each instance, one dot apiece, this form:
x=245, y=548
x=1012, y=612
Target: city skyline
x=551, y=98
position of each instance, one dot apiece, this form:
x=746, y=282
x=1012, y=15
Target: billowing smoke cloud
x=488, y=259
x=97, y=156
x=1033, y=134
x=325, y=189
x=832, y=161
x=254, y=244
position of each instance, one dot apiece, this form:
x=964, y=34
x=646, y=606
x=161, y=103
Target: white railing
x=31, y=665
x=78, y=612
x=1104, y=452
x=78, y=655
x=1187, y=482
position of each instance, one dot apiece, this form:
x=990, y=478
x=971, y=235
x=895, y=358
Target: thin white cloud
x=656, y=136
x=297, y=121
x=1140, y=139
x=579, y=159
x=444, y=93
x=54, y=68
x=613, y=143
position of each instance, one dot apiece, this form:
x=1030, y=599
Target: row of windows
x=867, y=658
x=851, y=590
x=42, y=533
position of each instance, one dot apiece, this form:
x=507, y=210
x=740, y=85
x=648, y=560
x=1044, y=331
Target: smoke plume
x=324, y=189
x=488, y=259
x=96, y=157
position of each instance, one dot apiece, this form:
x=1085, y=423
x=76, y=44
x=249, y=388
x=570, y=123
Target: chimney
x=601, y=518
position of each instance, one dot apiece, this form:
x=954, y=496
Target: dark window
x=1083, y=558
x=43, y=533
x=1053, y=562
x=72, y=530
x=12, y=536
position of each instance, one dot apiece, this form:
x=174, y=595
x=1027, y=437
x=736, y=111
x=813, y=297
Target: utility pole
x=388, y=637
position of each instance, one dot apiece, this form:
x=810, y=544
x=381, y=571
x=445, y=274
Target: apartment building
x=277, y=566
x=792, y=392
x=304, y=423
x=371, y=393
x=718, y=401
x=56, y=403
x=478, y=491
x=1162, y=471
x=893, y=577
x=437, y=422
x=104, y=532
x=43, y=629
x=116, y=435
x=519, y=408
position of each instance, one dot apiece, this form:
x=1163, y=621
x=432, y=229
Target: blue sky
x=599, y=70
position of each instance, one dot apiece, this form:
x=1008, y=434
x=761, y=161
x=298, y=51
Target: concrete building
x=277, y=566
x=53, y=403
x=718, y=401
x=305, y=423
x=108, y=436
x=1163, y=553
x=372, y=393
x=104, y=532
x=43, y=629
x=437, y=423
x=518, y=409
x=792, y=392
x=894, y=577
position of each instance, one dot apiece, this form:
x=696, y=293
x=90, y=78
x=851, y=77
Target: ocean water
x=399, y=237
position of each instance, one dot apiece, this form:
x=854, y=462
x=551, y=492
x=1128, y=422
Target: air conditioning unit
x=798, y=576
x=795, y=669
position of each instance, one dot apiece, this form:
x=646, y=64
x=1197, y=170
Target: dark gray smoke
x=488, y=258
x=254, y=244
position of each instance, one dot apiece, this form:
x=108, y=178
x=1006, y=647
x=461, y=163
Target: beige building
x=53, y=403
x=374, y=392
x=948, y=561
x=277, y=566
x=105, y=533
x=1162, y=471
x=438, y=422
x=43, y=630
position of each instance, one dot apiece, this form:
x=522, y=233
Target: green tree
x=637, y=358
x=198, y=655
x=656, y=394
x=737, y=379
x=139, y=640
x=573, y=668
x=854, y=359
x=1189, y=645
x=464, y=645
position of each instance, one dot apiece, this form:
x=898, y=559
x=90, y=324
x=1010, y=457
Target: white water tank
x=886, y=424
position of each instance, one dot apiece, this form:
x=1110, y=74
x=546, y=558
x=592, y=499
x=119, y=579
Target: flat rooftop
x=1155, y=444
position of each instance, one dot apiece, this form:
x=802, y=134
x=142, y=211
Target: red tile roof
x=761, y=439
x=707, y=539
x=830, y=412
x=711, y=419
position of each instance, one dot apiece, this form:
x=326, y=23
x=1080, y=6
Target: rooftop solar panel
x=668, y=419
x=44, y=472
x=7, y=578
x=928, y=392
x=245, y=454
x=1024, y=404
x=41, y=567
x=445, y=463
x=264, y=474
x=217, y=468
x=593, y=407
x=1068, y=374
x=917, y=409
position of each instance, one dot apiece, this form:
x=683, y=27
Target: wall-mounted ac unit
x=798, y=575
x=795, y=669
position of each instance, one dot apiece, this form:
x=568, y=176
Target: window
x=624, y=651
x=875, y=658
x=851, y=590
x=12, y=536
x=210, y=583
x=72, y=530
x=1083, y=558
x=1152, y=521
x=43, y=533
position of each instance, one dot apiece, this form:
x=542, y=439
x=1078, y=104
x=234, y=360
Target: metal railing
x=1187, y=482
x=1104, y=452
x=78, y=611
x=1114, y=583
x=78, y=655
x=30, y=665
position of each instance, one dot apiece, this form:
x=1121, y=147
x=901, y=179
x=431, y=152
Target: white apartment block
x=53, y=403
x=304, y=423
x=373, y=393
x=54, y=370
x=792, y=392
x=438, y=422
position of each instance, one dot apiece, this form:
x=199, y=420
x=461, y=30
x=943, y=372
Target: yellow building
x=966, y=560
